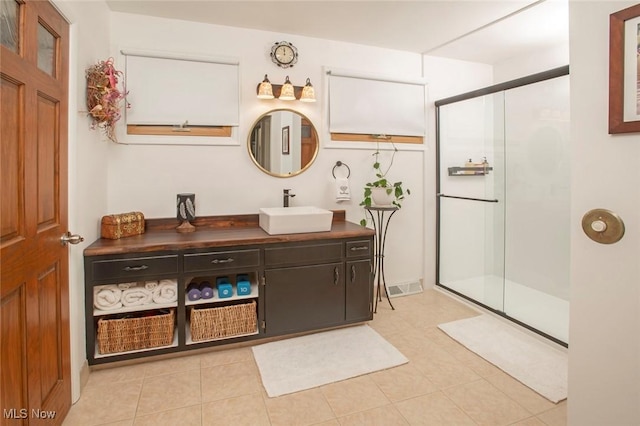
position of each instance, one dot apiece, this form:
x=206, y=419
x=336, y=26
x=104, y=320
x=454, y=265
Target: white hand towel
x=343, y=193
x=136, y=296
x=107, y=297
x=151, y=285
x=124, y=286
x=166, y=292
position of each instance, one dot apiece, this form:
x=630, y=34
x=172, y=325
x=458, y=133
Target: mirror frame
x=280, y=175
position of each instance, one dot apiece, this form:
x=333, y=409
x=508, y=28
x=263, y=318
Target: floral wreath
x=103, y=96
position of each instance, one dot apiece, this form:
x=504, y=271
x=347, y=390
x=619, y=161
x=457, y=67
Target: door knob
x=69, y=238
x=603, y=226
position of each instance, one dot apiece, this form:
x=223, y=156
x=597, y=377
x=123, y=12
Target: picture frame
x=285, y=140
x=624, y=70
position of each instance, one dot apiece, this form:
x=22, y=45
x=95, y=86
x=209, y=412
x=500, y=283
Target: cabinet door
x=304, y=298
x=359, y=291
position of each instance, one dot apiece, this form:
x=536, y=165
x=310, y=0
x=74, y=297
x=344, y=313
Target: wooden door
x=34, y=312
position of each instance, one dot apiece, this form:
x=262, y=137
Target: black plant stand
x=380, y=224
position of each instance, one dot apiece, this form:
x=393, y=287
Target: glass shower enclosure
x=503, y=182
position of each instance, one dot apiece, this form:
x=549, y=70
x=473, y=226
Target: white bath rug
x=533, y=363
x=305, y=362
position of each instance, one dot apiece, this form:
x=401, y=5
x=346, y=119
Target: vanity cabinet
x=298, y=283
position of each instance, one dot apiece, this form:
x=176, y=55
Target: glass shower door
x=471, y=215
x=504, y=200
x=537, y=207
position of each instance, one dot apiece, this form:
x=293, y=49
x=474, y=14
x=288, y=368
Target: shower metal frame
x=512, y=84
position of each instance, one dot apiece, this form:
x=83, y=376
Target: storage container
x=222, y=322
x=117, y=226
x=128, y=334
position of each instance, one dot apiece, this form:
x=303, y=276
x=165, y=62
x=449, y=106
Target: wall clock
x=284, y=54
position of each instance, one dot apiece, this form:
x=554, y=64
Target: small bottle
x=468, y=164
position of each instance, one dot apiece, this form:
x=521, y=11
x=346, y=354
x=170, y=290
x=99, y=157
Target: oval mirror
x=283, y=143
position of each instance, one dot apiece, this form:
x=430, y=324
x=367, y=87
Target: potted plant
x=382, y=192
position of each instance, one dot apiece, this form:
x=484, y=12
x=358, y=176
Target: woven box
x=224, y=321
x=117, y=226
x=128, y=334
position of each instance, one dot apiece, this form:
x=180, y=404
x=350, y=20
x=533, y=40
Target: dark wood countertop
x=221, y=231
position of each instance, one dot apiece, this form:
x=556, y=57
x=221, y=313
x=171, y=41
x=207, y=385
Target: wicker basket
x=128, y=334
x=226, y=321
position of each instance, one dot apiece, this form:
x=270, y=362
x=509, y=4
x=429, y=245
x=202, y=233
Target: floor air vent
x=405, y=289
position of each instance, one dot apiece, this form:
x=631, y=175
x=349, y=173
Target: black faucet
x=285, y=197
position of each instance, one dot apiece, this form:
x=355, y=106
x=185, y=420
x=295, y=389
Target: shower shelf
x=469, y=171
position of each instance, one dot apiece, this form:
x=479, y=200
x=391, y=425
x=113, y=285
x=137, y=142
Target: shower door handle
x=484, y=200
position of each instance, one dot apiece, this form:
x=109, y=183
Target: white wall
x=531, y=63
x=224, y=179
x=604, y=355
x=89, y=43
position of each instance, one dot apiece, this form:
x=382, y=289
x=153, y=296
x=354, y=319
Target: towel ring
x=338, y=164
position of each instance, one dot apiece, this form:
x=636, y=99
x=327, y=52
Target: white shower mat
x=305, y=362
x=534, y=363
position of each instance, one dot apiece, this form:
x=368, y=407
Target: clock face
x=284, y=54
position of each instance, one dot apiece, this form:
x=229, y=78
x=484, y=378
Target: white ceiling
x=485, y=31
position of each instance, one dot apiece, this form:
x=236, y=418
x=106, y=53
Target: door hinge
x=263, y=280
x=263, y=325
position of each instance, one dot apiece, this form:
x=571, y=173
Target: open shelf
x=138, y=308
x=216, y=299
x=469, y=171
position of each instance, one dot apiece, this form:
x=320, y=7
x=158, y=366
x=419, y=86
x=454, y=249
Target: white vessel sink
x=295, y=220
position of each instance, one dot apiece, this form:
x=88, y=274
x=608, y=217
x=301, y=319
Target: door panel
x=12, y=178
x=313, y=295
x=14, y=354
x=47, y=167
x=34, y=275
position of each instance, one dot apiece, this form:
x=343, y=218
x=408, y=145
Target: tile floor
x=443, y=384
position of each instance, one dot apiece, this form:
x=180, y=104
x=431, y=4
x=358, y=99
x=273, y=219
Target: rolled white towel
x=107, y=297
x=136, y=296
x=166, y=292
x=151, y=285
x=124, y=286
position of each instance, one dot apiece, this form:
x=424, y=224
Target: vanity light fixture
x=265, y=90
x=308, y=93
x=286, y=91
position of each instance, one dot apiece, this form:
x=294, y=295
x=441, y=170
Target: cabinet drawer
x=300, y=255
x=358, y=248
x=134, y=267
x=221, y=260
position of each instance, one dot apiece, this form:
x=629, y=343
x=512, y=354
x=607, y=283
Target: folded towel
x=124, y=286
x=151, y=285
x=343, y=193
x=206, y=290
x=107, y=297
x=136, y=296
x=166, y=292
x=193, y=292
